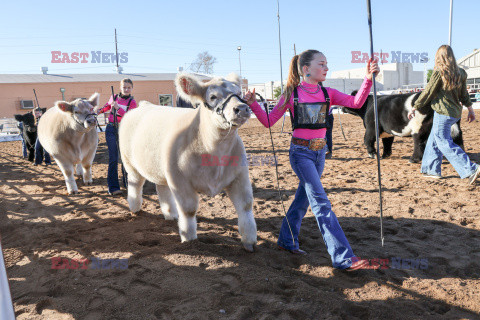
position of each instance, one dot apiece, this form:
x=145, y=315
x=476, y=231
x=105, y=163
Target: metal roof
x=85, y=77
x=472, y=60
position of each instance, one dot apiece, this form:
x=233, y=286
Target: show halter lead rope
x=341, y=127
x=115, y=124
x=276, y=167
x=376, y=123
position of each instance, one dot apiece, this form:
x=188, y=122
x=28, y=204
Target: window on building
x=165, y=100
x=477, y=80
x=27, y=104
x=470, y=81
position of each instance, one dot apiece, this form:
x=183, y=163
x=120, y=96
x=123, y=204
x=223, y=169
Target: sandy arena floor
x=213, y=277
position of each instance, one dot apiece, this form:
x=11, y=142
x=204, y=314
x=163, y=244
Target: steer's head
x=81, y=110
x=221, y=96
x=28, y=121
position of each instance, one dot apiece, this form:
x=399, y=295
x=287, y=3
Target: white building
x=392, y=75
x=471, y=64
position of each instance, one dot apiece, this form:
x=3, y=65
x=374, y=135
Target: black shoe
x=294, y=251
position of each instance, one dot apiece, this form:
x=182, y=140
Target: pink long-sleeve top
x=336, y=98
x=122, y=103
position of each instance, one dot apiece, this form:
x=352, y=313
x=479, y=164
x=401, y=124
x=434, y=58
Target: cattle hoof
x=170, y=217
x=385, y=156
x=249, y=247
x=413, y=160
x=88, y=183
x=73, y=192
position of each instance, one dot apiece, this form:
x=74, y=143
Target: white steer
x=67, y=131
x=172, y=147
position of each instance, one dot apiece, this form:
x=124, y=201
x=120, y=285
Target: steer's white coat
x=70, y=137
x=165, y=145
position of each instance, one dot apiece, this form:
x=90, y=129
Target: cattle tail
x=115, y=124
x=369, y=10
x=265, y=105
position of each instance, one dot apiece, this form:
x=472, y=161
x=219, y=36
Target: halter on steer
x=219, y=108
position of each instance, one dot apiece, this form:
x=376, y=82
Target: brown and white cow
x=167, y=146
x=67, y=131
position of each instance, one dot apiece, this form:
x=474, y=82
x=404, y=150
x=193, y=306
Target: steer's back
x=150, y=134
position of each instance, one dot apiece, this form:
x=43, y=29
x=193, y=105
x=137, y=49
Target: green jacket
x=445, y=102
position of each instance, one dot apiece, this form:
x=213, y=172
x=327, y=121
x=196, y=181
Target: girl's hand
x=115, y=105
x=372, y=67
x=250, y=97
x=471, y=115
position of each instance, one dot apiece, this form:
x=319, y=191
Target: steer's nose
x=241, y=108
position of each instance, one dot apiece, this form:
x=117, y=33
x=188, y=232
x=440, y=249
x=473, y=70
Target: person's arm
x=428, y=94
x=465, y=98
x=430, y=91
x=106, y=107
x=355, y=102
x=273, y=116
x=464, y=95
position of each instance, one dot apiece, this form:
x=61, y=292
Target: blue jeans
x=308, y=165
x=40, y=153
x=112, y=176
x=24, y=146
x=439, y=144
x=328, y=136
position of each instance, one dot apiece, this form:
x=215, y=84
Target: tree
x=277, y=91
x=204, y=63
x=429, y=74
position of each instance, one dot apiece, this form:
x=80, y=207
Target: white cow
x=67, y=131
x=176, y=148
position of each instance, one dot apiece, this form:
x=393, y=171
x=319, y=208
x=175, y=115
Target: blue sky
x=160, y=36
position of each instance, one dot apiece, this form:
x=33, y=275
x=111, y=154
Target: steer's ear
x=189, y=87
x=94, y=99
x=18, y=117
x=233, y=77
x=64, y=106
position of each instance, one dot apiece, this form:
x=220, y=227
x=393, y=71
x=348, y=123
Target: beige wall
x=48, y=93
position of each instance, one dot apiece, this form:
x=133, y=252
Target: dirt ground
x=435, y=222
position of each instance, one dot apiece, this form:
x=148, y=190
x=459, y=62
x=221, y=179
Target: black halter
x=88, y=115
x=220, y=107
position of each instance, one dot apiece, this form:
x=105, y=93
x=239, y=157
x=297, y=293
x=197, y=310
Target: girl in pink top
x=307, y=150
x=120, y=103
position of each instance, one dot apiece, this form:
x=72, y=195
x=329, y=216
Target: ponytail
x=292, y=81
x=296, y=65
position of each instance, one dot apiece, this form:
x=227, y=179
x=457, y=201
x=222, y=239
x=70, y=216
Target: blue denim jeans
x=112, y=176
x=308, y=165
x=439, y=144
x=40, y=153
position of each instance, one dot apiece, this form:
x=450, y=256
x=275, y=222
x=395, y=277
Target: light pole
x=239, y=48
x=450, y=24
x=62, y=90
